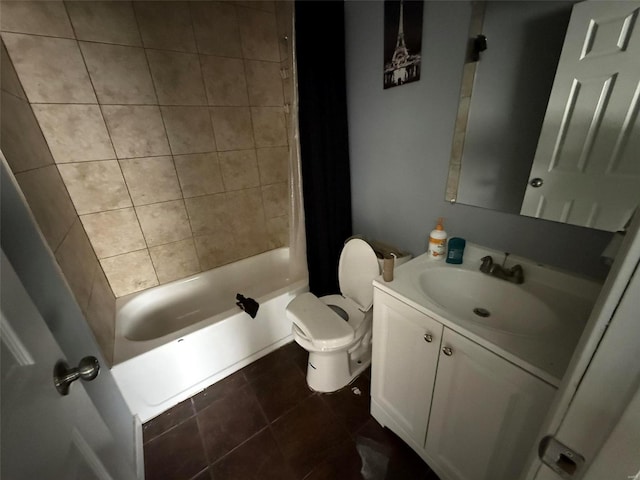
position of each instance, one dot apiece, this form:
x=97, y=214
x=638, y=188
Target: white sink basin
x=487, y=301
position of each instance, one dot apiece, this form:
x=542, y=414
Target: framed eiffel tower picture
x=402, y=41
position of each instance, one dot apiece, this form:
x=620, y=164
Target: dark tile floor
x=264, y=423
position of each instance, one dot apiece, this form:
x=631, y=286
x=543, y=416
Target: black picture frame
x=402, y=42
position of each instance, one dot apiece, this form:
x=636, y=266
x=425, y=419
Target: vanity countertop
x=542, y=346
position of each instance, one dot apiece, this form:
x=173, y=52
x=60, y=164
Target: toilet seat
x=354, y=314
x=357, y=268
x=317, y=324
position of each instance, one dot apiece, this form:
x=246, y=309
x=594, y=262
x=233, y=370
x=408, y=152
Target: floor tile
x=266, y=364
x=342, y=462
x=307, y=433
x=203, y=475
x=257, y=459
x=281, y=390
x=351, y=404
x=229, y=421
x=404, y=463
x=298, y=354
x=167, y=420
x=221, y=389
x=176, y=454
x=263, y=422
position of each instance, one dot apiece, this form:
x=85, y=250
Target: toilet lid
x=318, y=323
x=357, y=269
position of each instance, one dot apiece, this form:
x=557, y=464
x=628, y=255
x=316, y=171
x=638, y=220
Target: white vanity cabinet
x=406, y=344
x=471, y=414
x=485, y=412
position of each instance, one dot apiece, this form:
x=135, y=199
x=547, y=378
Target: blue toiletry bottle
x=455, y=250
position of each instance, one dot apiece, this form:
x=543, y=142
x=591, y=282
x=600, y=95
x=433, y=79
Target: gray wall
x=400, y=143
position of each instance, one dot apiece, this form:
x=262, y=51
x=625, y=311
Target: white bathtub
x=174, y=340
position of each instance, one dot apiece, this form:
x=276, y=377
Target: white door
x=405, y=357
x=602, y=423
x=587, y=158
x=485, y=413
x=45, y=435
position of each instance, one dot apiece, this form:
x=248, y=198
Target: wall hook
x=479, y=45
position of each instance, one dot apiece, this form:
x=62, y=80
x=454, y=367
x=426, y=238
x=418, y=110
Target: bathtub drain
x=481, y=312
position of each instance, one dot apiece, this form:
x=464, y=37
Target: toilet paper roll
x=387, y=268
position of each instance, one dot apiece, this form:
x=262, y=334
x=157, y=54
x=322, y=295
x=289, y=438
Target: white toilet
x=336, y=329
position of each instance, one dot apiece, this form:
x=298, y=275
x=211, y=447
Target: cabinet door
x=486, y=413
x=405, y=356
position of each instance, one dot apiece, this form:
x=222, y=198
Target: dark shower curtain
x=324, y=140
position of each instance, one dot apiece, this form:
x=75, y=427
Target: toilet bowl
x=336, y=329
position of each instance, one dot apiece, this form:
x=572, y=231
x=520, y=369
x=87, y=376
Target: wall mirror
x=547, y=124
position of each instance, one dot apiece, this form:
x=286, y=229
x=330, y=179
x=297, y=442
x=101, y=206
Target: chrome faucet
x=514, y=274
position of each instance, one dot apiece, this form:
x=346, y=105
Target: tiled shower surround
x=150, y=138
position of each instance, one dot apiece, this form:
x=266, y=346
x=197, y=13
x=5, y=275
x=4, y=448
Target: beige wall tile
x=39, y=18
x=232, y=128
x=49, y=201
x=246, y=213
x=216, y=28
x=273, y=163
x=130, y=272
x=276, y=199
x=278, y=230
x=175, y=260
x=253, y=243
x=119, y=74
x=216, y=249
x=101, y=314
x=20, y=137
x=108, y=22
x=166, y=25
x=258, y=34
x=199, y=174
x=9, y=81
x=177, y=77
x=78, y=263
x=51, y=69
x=136, y=131
x=164, y=222
x=189, y=129
x=151, y=179
x=239, y=169
x=284, y=16
x=287, y=88
x=95, y=186
x=208, y=214
x=268, y=126
x=266, y=5
x=225, y=81
x=114, y=232
x=265, y=83
x=75, y=133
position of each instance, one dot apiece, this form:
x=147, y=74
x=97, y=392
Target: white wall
x=400, y=143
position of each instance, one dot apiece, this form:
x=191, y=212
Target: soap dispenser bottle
x=437, y=242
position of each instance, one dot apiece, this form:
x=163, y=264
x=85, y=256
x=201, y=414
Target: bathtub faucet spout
x=247, y=304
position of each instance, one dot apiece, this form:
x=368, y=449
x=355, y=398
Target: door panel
x=587, y=154
x=485, y=413
x=404, y=363
x=44, y=434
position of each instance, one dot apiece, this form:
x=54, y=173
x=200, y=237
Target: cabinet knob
x=428, y=337
x=447, y=351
